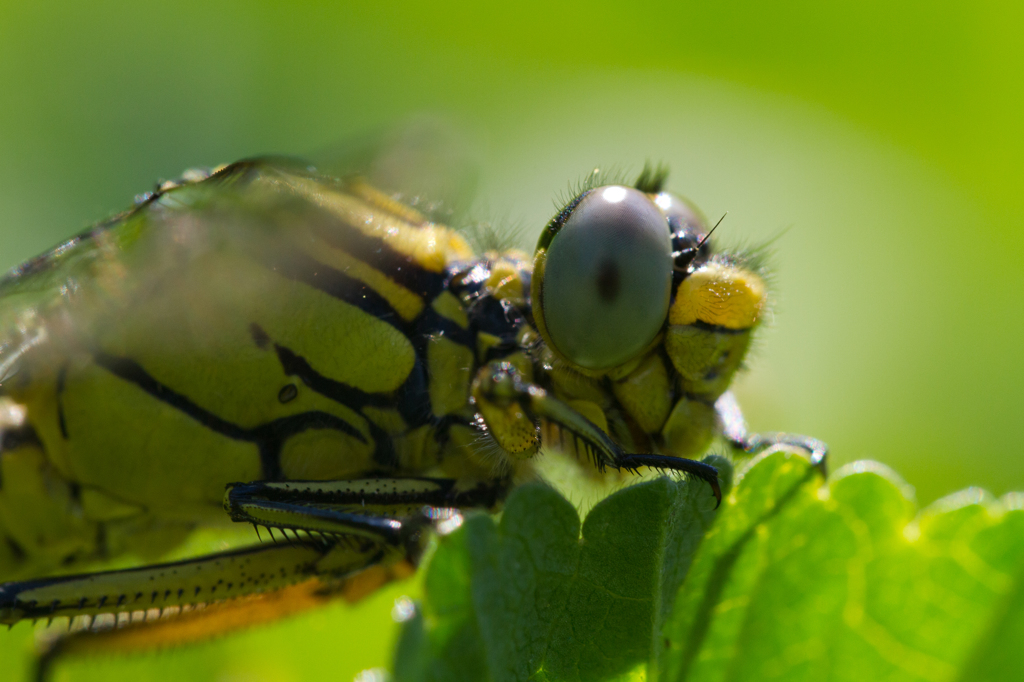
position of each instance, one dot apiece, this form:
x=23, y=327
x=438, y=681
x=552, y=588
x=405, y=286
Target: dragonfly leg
x=505, y=399
x=141, y=634
x=388, y=512
x=184, y=601
x=179, y=584
x=336, y=527
x=334, y=539
x=734, y=430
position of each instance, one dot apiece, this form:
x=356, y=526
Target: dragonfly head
x=621, y=273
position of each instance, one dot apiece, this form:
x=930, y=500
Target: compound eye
x=607, y=278
x=682, y=216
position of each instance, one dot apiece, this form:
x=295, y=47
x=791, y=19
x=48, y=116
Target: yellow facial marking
x=721, y=295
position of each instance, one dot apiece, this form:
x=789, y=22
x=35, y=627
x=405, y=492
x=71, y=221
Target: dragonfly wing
x=180, y=271
x=426, y=163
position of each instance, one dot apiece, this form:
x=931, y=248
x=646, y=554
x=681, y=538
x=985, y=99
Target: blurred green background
x=886, y=136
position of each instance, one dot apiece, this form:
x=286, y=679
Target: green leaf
x=798, y=579
x=537, y=596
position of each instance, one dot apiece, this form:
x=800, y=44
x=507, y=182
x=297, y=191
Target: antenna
x=708, y=235
x=692, y=250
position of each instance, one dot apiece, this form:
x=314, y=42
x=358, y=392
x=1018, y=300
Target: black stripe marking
x=717, y=329
x=489, y=314
x=413, y=397
x=15, y=438
x=133, y=372
x=375, y=252
x=496, y=317
x=299, y=267
x=350, y=396
x=259, y=336
x=268, y=437
x=444, y=425
x=17, y=551
x=433, y=323
x=62, y=376
x=500, y=351
x=384, y=453
x=355, y=399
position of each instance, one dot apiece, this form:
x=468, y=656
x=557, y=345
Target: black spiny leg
x=387, y=511
x=734, y=429
x=344, y=539
x=501, y=385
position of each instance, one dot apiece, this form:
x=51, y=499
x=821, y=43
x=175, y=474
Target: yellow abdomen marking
x=721, y=295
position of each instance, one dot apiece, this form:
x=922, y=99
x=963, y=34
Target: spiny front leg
x=513, y=408
x=347, y=538
x=390, y=512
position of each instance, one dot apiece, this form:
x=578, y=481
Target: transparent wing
x=426, y=163
x=44, y=300
x=188, y=270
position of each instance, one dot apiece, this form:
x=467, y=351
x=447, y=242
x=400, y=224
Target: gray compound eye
x=607, y=278
x=682, y=216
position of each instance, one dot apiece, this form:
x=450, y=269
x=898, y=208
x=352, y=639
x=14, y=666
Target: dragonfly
x=268, y=344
